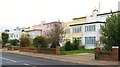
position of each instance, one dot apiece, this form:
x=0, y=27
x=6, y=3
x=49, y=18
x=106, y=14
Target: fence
x=107, y=55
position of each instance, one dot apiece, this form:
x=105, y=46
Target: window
x=89, y=28
x=16, y=35
x=39, y=32
x=76, y=29
x=77, y=38
x=11, y=35
x=67, y=31
x=90, y=40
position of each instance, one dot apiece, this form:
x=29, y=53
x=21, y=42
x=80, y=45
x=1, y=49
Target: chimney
x=119, y=6
x=94, y=13
x=43, y=22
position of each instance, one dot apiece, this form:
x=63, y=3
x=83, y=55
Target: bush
x=68, y=46
x=40, y=41
x=14, y=42
x=54, y=44
x=75, y=45
x=5, y=37
x=25, y=40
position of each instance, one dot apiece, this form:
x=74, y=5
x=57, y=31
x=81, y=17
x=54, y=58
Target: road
x=14, y=60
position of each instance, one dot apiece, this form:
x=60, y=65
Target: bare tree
x=56, y=34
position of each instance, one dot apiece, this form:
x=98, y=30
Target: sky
x=25, y=13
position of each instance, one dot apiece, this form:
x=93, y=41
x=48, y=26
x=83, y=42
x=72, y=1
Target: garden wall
x=107, y=55
x=41, y=50
x=12, y=48
x=28, y=49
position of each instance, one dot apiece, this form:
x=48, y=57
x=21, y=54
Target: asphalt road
x=14, y=60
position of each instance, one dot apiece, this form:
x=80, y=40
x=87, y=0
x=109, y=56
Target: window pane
x=90, y=40
x=89, y=28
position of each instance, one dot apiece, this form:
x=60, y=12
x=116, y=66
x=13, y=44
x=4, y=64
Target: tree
x=40, y=41
x=110, y=32
x=5, y=38
x=56, y=34
x=14, y=42
x=25, y=40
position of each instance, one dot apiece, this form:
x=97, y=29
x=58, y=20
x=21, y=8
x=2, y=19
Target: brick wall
x=12, y=48
x=107, y=55
x=41, y=50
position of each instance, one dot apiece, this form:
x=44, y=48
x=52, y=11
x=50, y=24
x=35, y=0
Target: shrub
x=82, y=46
x=62, y=48
x=75, y=45
x=5, y=37
x=25, y=40
x=40, y=41
x=54, y=44
x=14, y=42
x=68, y=46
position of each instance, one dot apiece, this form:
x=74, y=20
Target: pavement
x=84, y=58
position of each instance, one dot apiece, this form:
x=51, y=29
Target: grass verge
x=76, y=51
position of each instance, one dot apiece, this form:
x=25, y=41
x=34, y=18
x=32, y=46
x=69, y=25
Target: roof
x=52, y=23
x=87, y=23
x=29, y=30
x=97, y=15
x=79, y=18
x=108, y=13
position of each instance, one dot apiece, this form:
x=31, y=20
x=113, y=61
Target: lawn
x=77, y=51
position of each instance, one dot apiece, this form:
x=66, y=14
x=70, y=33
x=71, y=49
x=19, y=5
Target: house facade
x=16, y=33
x=73, y=32
x=33, y=32
x=86, y=29
x=45, y=27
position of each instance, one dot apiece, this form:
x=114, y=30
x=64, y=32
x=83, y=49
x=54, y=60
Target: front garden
x=40, y=45
x=76, y=51
x=74, y=48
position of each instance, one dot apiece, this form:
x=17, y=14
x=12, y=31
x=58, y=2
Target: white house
x=90, y=29
x=16, y=33
x=33, y=32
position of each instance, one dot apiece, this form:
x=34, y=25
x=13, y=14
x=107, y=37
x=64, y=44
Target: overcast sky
x=29, y=12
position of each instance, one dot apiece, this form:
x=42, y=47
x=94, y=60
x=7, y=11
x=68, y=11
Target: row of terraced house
x=85, y=29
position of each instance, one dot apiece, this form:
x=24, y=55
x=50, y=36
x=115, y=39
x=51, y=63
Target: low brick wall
x=47, y=50
x=28, y=49
x=41, y=50
x=11, y=48
x=107, y=55
x=0, y=45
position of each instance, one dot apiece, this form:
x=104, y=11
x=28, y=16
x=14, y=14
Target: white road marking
x=26, y=64
x=8, y=59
